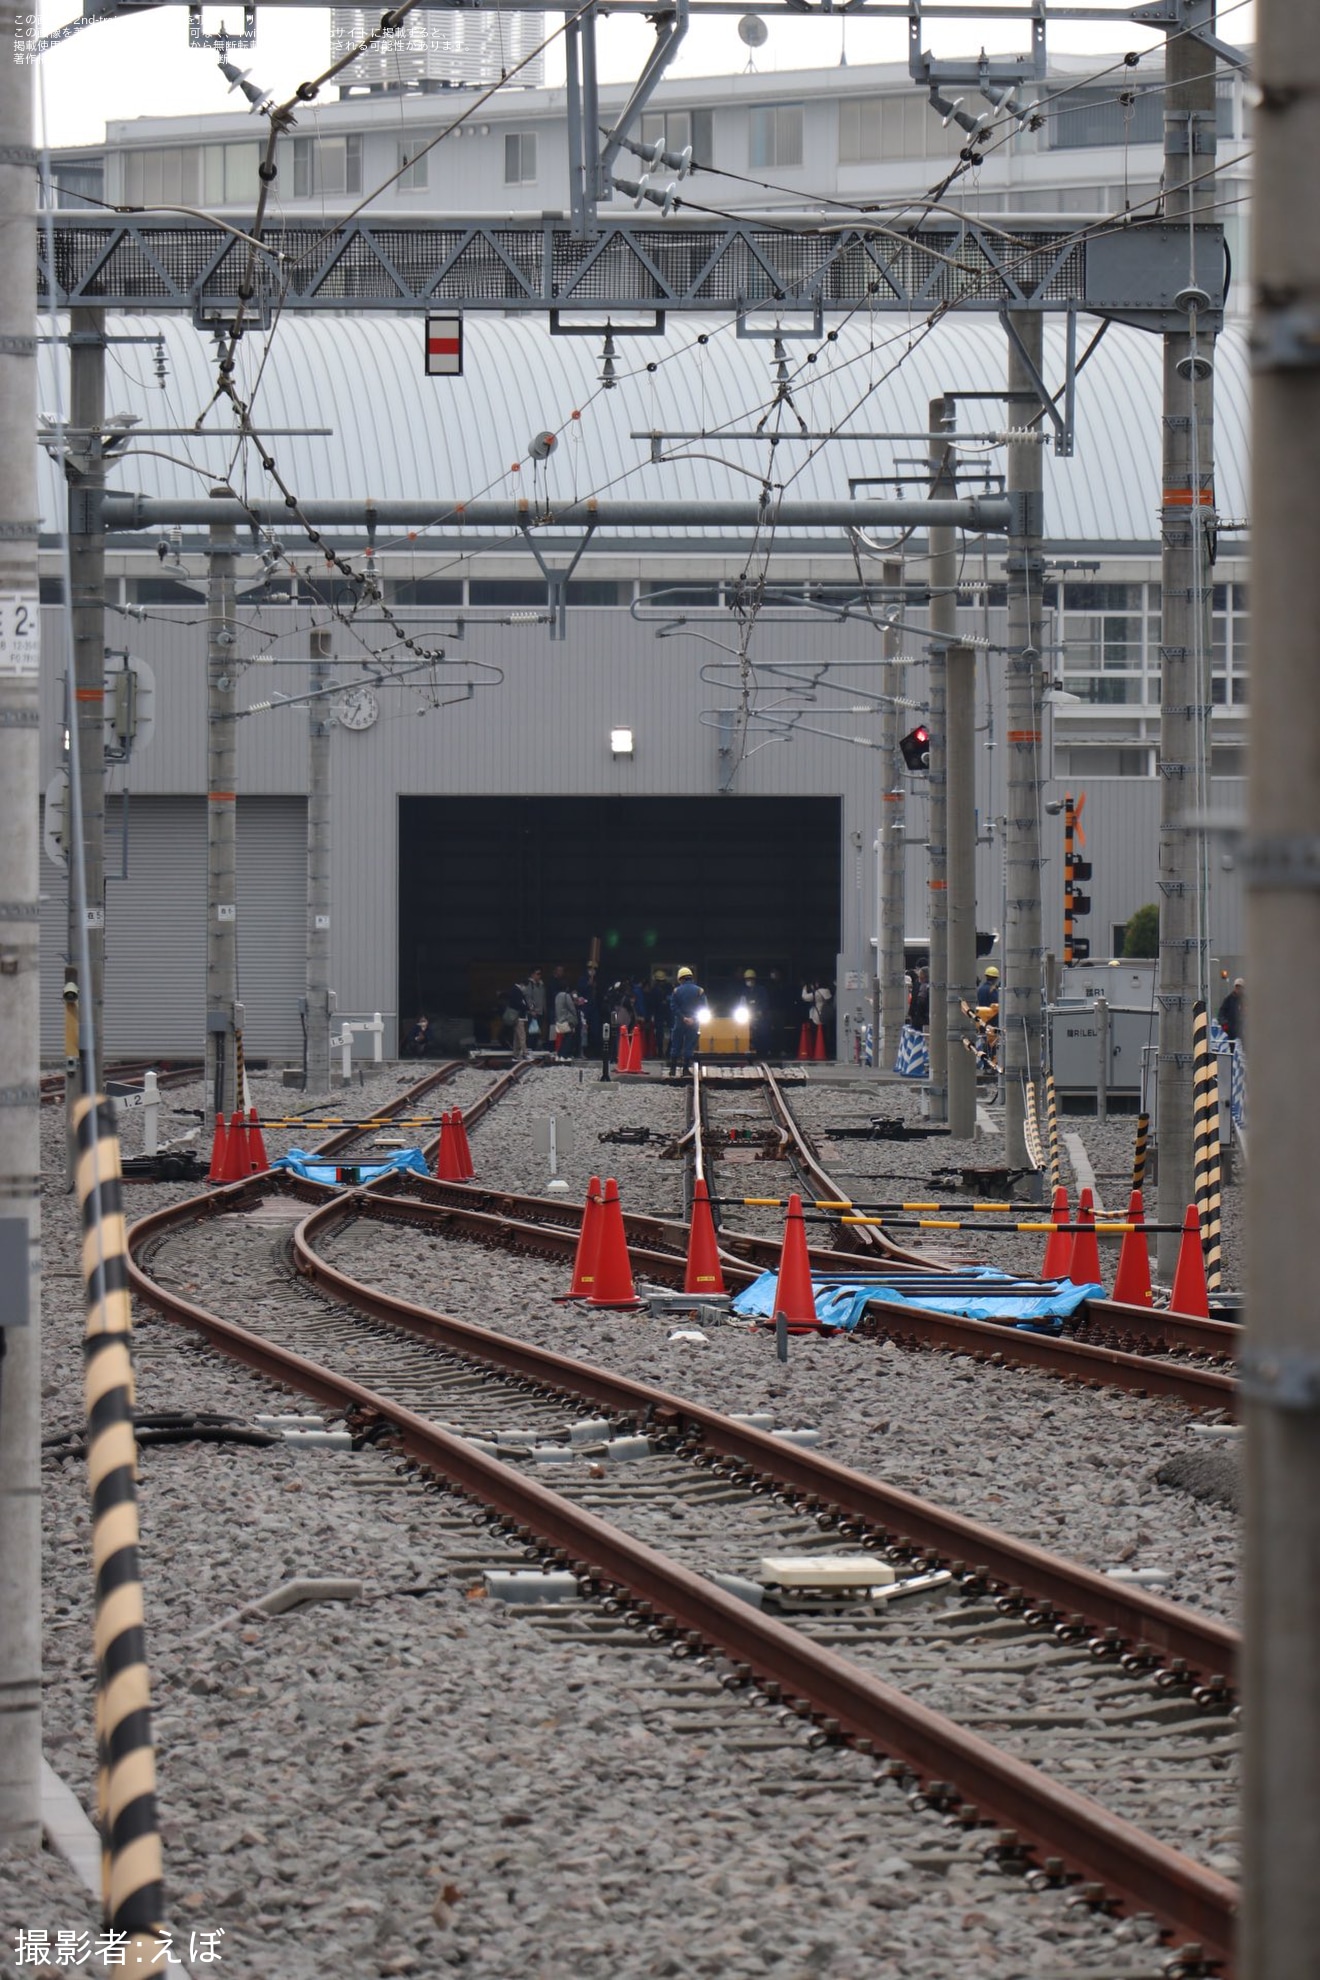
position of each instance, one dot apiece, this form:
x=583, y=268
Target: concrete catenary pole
x=86, y=469
x=1186, y=514
x=320, y=727
x=221, y=826
x=893, y=842
x=943, y=623
x=1019, y=990
x=1280, y=1926
x=960, y=833
x=20, y=1101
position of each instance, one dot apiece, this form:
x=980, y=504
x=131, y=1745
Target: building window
x=1085, y=117
x=679, y=129
x=412, y=169
x=76, y=185
x=875, y=129
x=327, y=166
x=520, y=158
x=775, y=137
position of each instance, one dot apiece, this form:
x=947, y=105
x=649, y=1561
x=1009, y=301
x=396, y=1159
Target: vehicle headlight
x=741, y=1014
x=704, y=1014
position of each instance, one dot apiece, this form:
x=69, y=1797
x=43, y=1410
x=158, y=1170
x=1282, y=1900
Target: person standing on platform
x=758, y=1016
x=685, y=1026
x=1233, y=1012
x=534, y=991
x=817, y=998
x=588, y=996
x=566, y=1023
x=515, y=1019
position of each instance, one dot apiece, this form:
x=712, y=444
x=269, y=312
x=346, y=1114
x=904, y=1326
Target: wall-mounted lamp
x=621, y=742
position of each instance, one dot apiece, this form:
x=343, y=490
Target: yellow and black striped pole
x=1052, y=1130
x=126, y=1764
x=1205, y=1145
x=1139, y=1152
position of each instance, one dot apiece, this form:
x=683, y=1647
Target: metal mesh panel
x=397, y=266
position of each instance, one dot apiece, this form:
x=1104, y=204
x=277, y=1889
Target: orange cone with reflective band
x=236, y=1150
x=635, y=1050
x=703, y=1273
x=588, y=1245
x=1132, y=1280
x=1084, y=1269
x=1058, y=1245
x=258, y=1160
x=1190, y=1295
x=464, y=1152
x=447, y=1165
x=219, y=1151
x=818, y=1048
x=614, y=1279
x=625, y=1048
x=794, y=1297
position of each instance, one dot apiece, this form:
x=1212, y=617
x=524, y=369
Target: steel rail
x=1062, y=1354
x=1115, y=1321
x=848, y=1703
x=860, y=1237
x=1145, y=1620
x=657, y=1247
x=335, y=1144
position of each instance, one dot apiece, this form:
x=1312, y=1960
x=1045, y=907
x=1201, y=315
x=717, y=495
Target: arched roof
x=400, y=435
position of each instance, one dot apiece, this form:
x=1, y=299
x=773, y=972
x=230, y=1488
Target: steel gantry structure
x=587, y=271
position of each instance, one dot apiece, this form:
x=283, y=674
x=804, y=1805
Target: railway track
x=1085, y=1614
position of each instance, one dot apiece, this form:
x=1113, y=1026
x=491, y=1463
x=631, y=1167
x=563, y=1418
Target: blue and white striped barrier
x=913, y=1061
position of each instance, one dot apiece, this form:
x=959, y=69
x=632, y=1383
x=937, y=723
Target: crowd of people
x=573, y=1017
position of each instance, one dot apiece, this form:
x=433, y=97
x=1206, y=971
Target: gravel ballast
x=422, y=1779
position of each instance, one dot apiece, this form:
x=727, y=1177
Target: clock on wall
x=357, y=709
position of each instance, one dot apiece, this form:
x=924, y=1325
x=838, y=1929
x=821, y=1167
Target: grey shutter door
x=155, y=988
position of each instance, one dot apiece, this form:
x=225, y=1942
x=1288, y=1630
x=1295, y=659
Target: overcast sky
x=143, y=66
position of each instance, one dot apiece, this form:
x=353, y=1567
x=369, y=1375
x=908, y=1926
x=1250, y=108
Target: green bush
x=1141, y=936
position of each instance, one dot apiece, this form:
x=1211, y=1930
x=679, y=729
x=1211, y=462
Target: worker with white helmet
x=684, y=1024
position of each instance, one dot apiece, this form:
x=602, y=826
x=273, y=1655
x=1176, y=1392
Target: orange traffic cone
x=1058, y=1245
x=703, y=1273
x=236, y=1150
x=818, y=1050
x=804, y=1042
x=1189, y=1294
x=465, y=1168
x=614, y=1279
x=258, y=1160
x=1132, y=1280
x=588, y=1245
x=794, y=1297
x=447, y=1165
x=219, y=1151
x=1084, y=1268
x=625, y=1049
x=635, y=1050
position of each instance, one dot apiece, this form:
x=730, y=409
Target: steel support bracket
x=1026, y=511
x=557, y=577
x=979, y=73
x=1063, y=422
x=1284, y=1380
x=670, y=28
x=199, y=38
x=1195, y=19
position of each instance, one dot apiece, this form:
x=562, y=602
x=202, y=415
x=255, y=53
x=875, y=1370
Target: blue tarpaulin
x=841, y=1302
x=352, y=1175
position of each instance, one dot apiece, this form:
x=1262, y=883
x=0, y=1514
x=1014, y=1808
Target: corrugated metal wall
x=155, y=1001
